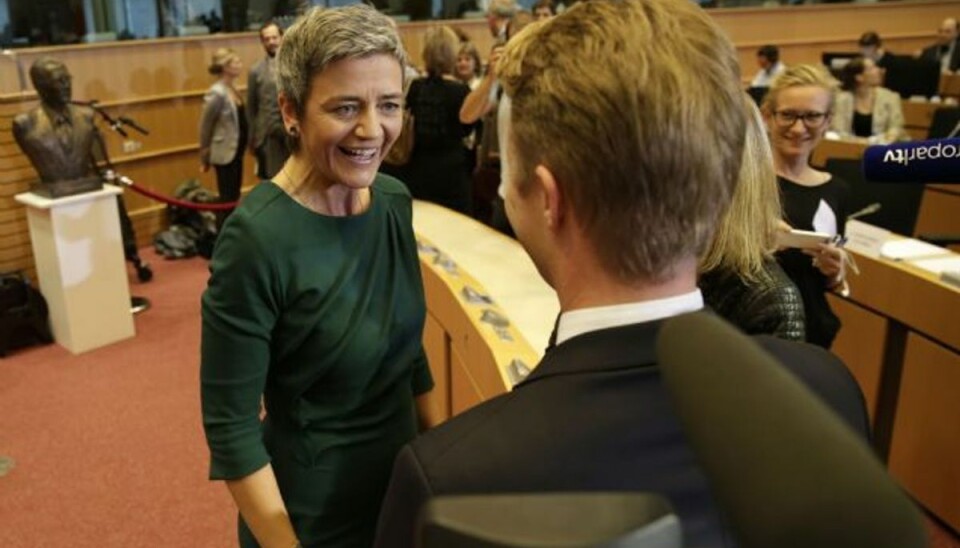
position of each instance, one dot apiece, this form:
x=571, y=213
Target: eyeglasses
x=812, y=119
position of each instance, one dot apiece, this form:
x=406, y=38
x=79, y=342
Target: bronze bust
x=64, y=146
x=59, y=138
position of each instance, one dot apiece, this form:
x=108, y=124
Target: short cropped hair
x=440, y=45
x=267, y=24
x=800, y=76
x=869, y=38
x=747, y=235
x=646, y=152
x=770, y=53
x=221, y=58
x=325, y=35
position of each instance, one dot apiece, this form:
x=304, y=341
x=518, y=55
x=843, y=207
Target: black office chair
x=836, y=60
x=562, y=520
x=909, y=76
x=945, y=124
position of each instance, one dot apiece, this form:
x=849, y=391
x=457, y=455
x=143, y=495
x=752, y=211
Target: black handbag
x=23, y=314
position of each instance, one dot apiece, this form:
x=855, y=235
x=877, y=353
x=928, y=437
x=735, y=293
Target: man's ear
x=553, y=199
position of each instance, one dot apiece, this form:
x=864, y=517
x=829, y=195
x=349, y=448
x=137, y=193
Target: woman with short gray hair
x=315, y=305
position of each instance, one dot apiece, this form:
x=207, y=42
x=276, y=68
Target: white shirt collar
x=578, y=322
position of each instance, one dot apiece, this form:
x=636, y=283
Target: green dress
x=322, y=317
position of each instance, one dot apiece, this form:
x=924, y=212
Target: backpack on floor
x=23, y=314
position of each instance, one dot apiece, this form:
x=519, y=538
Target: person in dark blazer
x=946, y=51
x=223, y=127
x=268, y=141
x=616, y=230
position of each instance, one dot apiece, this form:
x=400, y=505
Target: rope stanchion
x=220, y=206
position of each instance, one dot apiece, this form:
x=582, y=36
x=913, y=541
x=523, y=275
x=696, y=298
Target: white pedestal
x=78, y=251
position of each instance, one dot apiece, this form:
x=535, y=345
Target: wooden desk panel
x=919, y=115
x=844, y=150
x=925, y=451
x=472, y=352
x=950, y=85
x=939, y=212
x=912, y=384
x=914, y=297
x=436, y=344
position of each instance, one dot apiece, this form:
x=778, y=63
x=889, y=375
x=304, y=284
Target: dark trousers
x=229, y=178
x=126, y=232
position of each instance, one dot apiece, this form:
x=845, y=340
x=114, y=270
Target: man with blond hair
x=641, y=163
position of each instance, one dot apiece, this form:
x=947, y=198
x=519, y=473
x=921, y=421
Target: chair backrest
x=946, y=123
x=899, y=203
x=909, y=76
x=836, y=60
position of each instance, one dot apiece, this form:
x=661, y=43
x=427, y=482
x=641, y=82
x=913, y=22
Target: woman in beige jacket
x=866, y=109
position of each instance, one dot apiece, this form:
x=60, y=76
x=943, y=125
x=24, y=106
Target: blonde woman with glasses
x=798, y=110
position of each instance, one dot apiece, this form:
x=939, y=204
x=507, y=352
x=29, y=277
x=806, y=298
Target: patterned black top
x=771, y=306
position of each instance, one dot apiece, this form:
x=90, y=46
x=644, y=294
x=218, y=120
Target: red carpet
x=108, y=445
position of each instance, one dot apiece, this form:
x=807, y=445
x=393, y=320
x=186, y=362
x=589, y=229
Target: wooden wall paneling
x=823, y=22
x=926, y=436
x=860, y=345
x=436, y=344
x=141, y=68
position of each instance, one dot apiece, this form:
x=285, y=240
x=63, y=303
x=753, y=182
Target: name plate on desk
x=866, y=239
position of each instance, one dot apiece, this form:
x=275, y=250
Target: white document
x=939, y=264
x=908, y=248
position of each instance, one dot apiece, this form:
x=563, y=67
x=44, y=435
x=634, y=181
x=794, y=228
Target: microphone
x=130, y=122
x=869, y=210
x=91, y=103
x=116, y=126
x=932, y=161
x=782, y=466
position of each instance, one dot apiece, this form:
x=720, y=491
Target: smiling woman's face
x=351, y=118
x=798, y=140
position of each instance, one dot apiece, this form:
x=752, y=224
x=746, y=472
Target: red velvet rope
x=182, y=203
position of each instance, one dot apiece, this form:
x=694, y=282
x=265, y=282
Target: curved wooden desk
x=901, y=340
x=489, y=313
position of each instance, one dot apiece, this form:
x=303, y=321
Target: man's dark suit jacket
x=932, y=53
x=592, y=416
